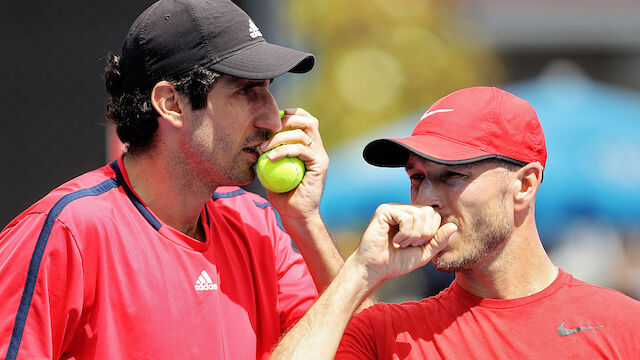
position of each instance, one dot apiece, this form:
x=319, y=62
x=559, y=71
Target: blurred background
x=380, y=65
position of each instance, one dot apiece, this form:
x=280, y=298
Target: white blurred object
x=591, y=252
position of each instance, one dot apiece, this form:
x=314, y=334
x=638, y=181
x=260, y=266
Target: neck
x=168, y=192
x=520, y=269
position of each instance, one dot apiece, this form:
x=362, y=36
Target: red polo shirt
x=90, y=272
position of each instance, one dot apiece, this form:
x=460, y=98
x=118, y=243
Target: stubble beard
x=215, y=164
x=485, y=236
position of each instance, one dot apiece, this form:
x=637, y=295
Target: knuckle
x=384, y=208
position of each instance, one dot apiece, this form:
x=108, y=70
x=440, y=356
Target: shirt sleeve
x=358, y=341
x=296, y=289
x=41, y=291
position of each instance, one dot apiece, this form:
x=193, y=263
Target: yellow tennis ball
x=282, y=175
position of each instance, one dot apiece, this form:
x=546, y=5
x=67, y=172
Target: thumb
x=439, y=241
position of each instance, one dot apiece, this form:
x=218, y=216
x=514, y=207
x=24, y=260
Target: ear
x=168, y=103
x=528, y=179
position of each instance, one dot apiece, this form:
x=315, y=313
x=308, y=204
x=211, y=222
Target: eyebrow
x=236, y=81
x=460, y=167
x=463, y=166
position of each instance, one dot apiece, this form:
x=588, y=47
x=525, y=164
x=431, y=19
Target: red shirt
x=89, y=272
x=570, y=319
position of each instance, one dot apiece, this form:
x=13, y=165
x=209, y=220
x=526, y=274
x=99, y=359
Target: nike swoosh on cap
x=427, y=114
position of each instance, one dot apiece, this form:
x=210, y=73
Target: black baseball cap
x=171, y=37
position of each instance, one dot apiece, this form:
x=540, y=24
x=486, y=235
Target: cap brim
x=394, y=152
x=265, y=61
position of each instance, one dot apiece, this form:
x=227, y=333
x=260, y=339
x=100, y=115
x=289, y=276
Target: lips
x=253, y=144
x=251, y=149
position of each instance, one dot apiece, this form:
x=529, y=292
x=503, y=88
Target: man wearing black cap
x=475, y=160
x=159, y=255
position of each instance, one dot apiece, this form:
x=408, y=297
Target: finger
x=421, y=232
x=296, y=111
x=439, y=241
x=292, y=150
x=294, y=115
x=301, y=119
x=405, y=228
x=295, y=136
x=415, y=224
x=426, y=223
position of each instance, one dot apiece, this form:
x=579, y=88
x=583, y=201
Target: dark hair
x=135, y=118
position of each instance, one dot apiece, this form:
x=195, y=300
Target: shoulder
x=391, y=314
x=581, y=290
x=371, y=328
x=60, y=221
x=605, y=305
x=233, y=195
x=67, y=199
x=236, y=202
x=76, y=209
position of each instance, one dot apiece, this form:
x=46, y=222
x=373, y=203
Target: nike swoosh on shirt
x=563, y=331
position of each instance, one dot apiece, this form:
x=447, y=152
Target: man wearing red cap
x=476, y=160
x=160, y=255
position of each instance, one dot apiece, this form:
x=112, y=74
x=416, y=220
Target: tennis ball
x=282, y=175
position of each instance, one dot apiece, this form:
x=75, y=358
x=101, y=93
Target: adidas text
x=204, y=282
x=204, y=287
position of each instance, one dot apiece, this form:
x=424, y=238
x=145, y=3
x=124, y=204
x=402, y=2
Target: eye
x=452, y=175
x=416, y=178
x=251, y=87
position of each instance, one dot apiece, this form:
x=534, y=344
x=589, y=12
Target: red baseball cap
x=465, y=126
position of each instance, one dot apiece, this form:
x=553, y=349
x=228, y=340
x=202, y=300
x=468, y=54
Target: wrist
x=304, y=224
x=362, y=277
x=301, y=216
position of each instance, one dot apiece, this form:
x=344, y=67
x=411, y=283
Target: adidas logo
x=254, y=32
x=205, y=283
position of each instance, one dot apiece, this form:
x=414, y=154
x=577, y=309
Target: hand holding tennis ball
x=282, y=175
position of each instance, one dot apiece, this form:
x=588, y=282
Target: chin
x=242, y=178
x=449, y=262
x=442, y=266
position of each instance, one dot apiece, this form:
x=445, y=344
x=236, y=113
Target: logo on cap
x=254, y=32
x=429, y=113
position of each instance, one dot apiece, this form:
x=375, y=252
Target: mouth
x=252, y=145
x=253, y=150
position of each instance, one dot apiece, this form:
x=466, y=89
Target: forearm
x=316, y=246
x=318, y=333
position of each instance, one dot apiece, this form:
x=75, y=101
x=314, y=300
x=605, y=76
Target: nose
x=269, y=118
x=426, y=194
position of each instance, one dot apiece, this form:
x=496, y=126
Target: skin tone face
x=475, y=197
x=219, y=145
